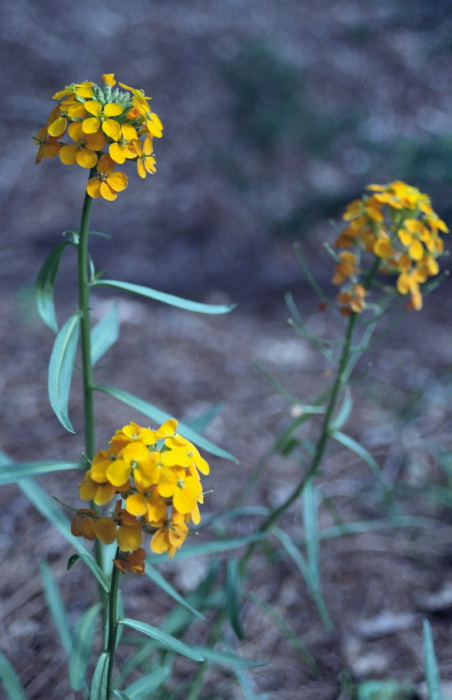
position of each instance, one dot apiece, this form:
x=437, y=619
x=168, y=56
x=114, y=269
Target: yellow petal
x=93, y=187
x=117, y=181
x=93, y=107
x=129, y=132
x=57, y=127
x=117, y=153
x=112, y=129
x=416, y=250
x=107, y=192
x=91, y=125
x=86, y=158
x=112, y=109
x=129, y=538
x=68, y=154
x=136, y=504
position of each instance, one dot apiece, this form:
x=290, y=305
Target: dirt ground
x=210, y=226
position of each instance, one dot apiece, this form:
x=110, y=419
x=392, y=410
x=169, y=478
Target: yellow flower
x=133, y=562
x=83, y=90
x=145, y=160
x=84, y=150
x=101, y=118
x=149, y=504
x=49, y=146
x=106, y=183
x=99, y=492
x=346, y=267
x=185, y=491
x=69, y=110
x=109, y=79
x=123, y=147
x=171, y=535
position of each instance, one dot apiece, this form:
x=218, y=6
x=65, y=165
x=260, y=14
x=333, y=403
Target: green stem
x=112, y=623
x=87, y=368
x=339, y=383
x=84, y=308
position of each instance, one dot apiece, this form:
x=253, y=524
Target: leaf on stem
x=159, y=416
x=431, y=664
x=56, y=606
x=9, y=474
x=170, y=299
x=162, y=583
x=163, y=638
x=100, y=678
x=60, y=369
x=45, y=285
x=82, y=646
x=232, y=597
x=104, y=334
x=10, y=680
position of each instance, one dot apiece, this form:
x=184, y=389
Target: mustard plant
x=147, y=480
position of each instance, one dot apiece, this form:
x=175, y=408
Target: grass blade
x=232, y=597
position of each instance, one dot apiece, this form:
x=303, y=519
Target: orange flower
x=106, y=183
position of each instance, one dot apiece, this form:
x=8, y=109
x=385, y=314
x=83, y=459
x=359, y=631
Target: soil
x=216, y=224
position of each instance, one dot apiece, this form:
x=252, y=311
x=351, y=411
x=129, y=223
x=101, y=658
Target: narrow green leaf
x=431, y=664
x=312, y=548
x=100, y=678
x=60, y=369
x=104, y=334
x=56, y=606
x=146, y=685
x=159, y=416
x=232, y=597
x=121, y=695
x=361, y=451
x=344, y=411
x=10, y=680
x=11, y=473
x=166, y=298
x=200, y=423
x=45, y=285
x=49, y=510
x=291, y=398
x=162, y=583
x=287, y=631
x=164, y=639
x=225, y=658
x=315, y=593
x=82, y=646
x=209, y=548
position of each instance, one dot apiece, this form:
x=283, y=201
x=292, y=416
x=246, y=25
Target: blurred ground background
x=276, y=114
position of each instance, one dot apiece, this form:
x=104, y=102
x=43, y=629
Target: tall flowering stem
x=112, y=623
x=85, y=328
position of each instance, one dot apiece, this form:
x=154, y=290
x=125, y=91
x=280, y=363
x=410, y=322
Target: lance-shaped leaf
x=60, y=369
x=159, y=416
x=100, y=678
x=10, y=681
x=56, y=606
x=82, y=645
x=45, y=285
x=11, y=473
x=431, y=664
x=162, y=583
x=170, y=299
x=163, y=638
x=104, y=334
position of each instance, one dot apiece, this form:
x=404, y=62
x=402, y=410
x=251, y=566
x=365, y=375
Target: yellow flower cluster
x=396, y=224
x=156, y=473
x=95, y=118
